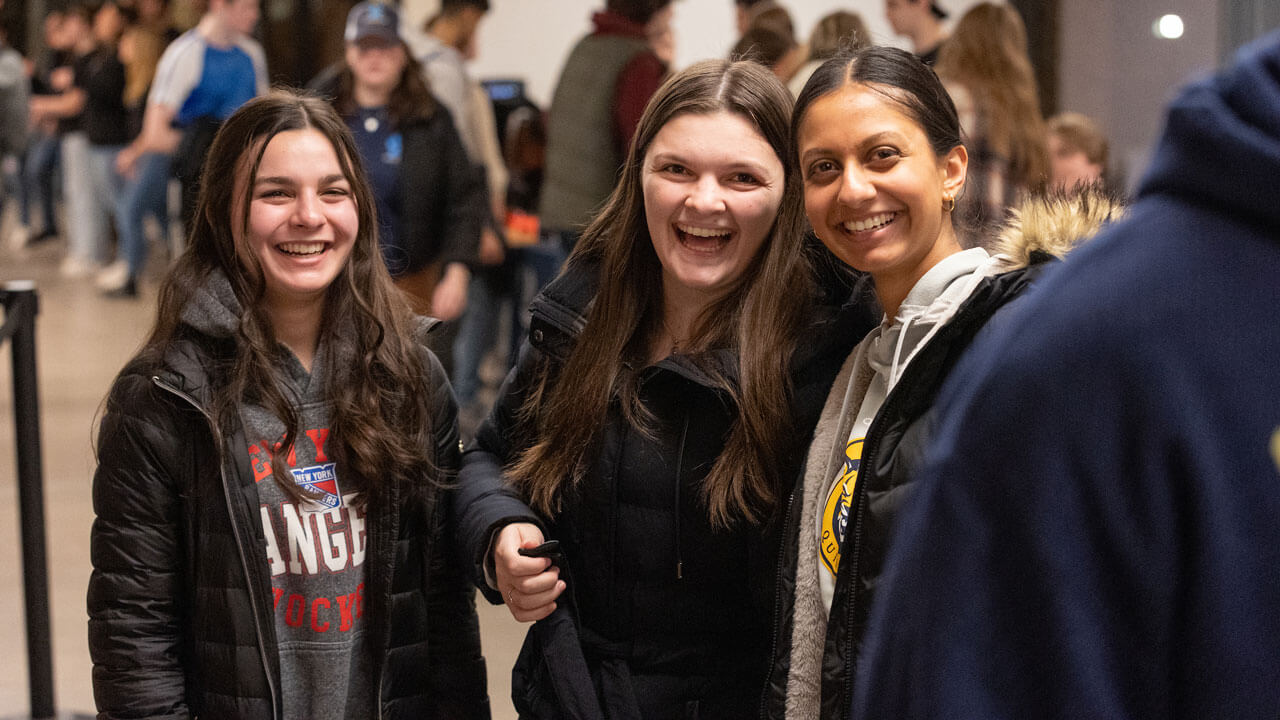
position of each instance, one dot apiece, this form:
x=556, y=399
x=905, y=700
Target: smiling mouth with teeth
x=701, y=238
x=875, y=222
x=301, y=249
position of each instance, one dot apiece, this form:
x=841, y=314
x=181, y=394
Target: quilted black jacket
x=672, y=614
x=180, y=599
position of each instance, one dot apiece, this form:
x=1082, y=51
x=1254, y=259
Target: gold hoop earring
x=950, y=203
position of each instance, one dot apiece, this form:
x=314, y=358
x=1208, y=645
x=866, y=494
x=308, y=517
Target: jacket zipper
x=871, y=443
x=777, y=600
x=235, y=529
x=684, y=432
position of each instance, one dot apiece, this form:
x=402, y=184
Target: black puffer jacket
x=672, y=615
x=180, y=600
x=1045, y=228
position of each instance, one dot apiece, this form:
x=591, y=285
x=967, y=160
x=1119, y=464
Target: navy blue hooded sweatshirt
x=1097, y=530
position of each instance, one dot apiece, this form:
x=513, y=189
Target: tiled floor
x=82, y=341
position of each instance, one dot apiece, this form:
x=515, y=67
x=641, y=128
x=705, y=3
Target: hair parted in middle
x=761, y=318
x=897, y=75
x=377, y=380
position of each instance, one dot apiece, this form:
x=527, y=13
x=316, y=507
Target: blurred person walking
x=41, y=161
x=203, y=77
x=599, y=98
x=988, y=73
x=86, y=229
x=106, y=123
x=15, y=112
x=443, y=47
x=145, y=193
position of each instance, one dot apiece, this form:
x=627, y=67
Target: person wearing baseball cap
x=430, y=197
x=921, y=22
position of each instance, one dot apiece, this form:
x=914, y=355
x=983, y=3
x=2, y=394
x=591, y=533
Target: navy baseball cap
x=372, y=20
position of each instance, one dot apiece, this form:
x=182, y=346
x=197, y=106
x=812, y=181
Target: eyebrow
x=867, y=141
x=281, y=180
x=732, y=165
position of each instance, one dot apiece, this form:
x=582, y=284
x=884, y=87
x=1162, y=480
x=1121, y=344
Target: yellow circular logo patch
x=835, y=515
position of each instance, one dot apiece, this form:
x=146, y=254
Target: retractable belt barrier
x=19, y=328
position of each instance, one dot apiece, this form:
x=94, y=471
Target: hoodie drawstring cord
x=897, y=352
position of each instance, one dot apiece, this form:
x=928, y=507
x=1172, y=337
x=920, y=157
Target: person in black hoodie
x=1112, y=550
x=272, y=491
x=656, y=417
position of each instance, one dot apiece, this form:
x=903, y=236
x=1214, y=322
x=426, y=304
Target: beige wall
x=1112, y=68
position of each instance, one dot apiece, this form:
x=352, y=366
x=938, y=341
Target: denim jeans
x=86, y=210
x=39, y=170
x=535, y=266
x=106, y=184
x=488, y=290
x=146, y=193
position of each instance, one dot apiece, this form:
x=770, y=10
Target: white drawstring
x=897, y=352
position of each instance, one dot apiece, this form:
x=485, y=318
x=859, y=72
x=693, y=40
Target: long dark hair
x=761, y=317
x=378, y=394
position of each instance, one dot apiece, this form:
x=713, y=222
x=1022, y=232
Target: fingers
x=529, y=585
x=533, y=606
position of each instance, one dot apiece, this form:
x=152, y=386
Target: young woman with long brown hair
x=653, y=424
x=271, y=488
x=987, y=71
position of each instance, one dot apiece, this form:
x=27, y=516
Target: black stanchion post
x=20, y=316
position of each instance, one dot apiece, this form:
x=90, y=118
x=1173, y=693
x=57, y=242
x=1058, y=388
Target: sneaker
x=75, y=266
x=114, y=276
x=127, y=290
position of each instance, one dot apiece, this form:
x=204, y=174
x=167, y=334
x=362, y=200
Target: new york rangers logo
x=321, y=480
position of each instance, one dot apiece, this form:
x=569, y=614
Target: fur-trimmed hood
x=1054, y=223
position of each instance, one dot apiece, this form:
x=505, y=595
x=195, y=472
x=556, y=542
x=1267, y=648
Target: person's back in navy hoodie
x=1097, y=532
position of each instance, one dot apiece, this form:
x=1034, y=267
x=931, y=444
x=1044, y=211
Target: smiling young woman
x=876, y=140
x=654, y=423
x=282, y=442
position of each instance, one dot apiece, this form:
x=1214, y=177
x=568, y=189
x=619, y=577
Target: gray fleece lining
x=809, y=630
